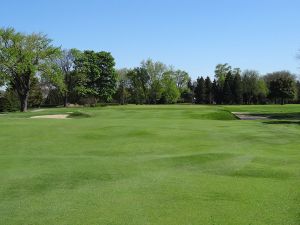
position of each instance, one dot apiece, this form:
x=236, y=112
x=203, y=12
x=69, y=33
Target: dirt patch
x=57, y=116
x=249, y=116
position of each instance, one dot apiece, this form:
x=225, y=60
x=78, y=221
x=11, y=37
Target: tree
x=71, y=79
x=9, y=101
x=237, y=89
x=23, y=57
x=170, y=93
x=200, y=91
x=220, y=73
x=100, y=76
x=122, y=93
x=138, y=80
x=298, y=91
x=35, y=95
x=249, y=81
x=227, y=89
x=155, y=71
x=182, y=79
x=262, y=91
x=282, y=86
x=215, y=92
x=190, y=92
x=282, y=89
x=208, y=91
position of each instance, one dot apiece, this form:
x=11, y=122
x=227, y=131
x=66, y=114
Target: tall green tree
x=35, y=96
x=282, y=86
x=155, y=71
x=138, y=80
x=208, y=91
x=170, y=93
x=221, y=71
x=228, y=96
x=72, y=81
x=182, y=79
x=237, y=89
x=262, y=91
x=250, y=79
x=200, y=91
x=23, y=57
x=215, y=92
x=100, y=76
x=190, y=92
x=122, y=93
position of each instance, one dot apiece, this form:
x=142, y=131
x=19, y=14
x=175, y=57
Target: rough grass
x=137, y=165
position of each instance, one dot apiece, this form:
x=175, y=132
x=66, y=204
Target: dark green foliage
x=22, y=58
x=191, y=91
x=282, y=89
x=217, y=98
x=35, y=94
x=227, y=92
x=100, y=76
x=282, y=86
x=9, y=101
x=237, y=90
x=138, y=79
x=298, y=91
x=54, y=98
x=208, y=91
x=78, y=115
x=200, y=91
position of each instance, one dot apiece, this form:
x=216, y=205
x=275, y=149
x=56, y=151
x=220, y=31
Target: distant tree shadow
x=280, y=116
x=282, y=122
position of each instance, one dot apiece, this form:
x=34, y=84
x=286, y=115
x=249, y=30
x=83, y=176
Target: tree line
x=33, y=72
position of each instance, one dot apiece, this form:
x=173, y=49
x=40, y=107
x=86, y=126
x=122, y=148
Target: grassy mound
x=79, y=115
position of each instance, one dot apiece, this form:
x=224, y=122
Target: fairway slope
x=144, y=165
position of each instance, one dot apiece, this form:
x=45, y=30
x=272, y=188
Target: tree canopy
x=23, y=57
x=33, y=72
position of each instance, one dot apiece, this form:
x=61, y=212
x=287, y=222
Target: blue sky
x=192, y=35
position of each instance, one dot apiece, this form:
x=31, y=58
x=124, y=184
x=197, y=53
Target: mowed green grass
x=158, y=165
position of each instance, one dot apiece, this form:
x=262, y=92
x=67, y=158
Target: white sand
x=57, y=116
x=248, y=116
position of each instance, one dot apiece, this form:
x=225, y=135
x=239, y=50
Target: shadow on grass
x=279, y=116
x=78, y=115
x=283, y=122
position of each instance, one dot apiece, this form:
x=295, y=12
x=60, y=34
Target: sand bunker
x=57, y=116
x=37, y=110
x=248, y=116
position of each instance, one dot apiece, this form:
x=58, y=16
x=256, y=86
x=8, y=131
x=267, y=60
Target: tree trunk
x=65, y=99
x=24, y=102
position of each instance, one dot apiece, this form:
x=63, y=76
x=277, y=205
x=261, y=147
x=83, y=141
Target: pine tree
x=200, y=91
x=217, y=92
x=227, y=89
x=208, y=91
x=237, y=90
